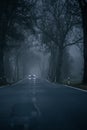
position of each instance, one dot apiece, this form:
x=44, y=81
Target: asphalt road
x=36, y=104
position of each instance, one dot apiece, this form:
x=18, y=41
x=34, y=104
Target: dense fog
x=45, y=38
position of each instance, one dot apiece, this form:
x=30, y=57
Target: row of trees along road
x=54, y=18
x=7, y=8
x=12, y=12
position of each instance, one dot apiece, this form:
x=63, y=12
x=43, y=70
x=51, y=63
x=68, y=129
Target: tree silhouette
x=83, y=5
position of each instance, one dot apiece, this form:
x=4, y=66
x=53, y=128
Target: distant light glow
x=33, y=76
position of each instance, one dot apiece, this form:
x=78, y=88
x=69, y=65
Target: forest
x=47, y=38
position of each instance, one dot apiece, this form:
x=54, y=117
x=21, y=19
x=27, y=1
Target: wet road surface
x=36, y=104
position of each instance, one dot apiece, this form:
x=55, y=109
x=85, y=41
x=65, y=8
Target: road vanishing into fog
x=37, y=104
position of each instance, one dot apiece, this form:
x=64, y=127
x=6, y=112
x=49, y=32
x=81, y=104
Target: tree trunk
x=59, y=67
x=53, y=64
x=83, y=5
x=2, y=45
x=1, y=63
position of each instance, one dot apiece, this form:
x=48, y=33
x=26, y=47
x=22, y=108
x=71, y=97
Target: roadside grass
x=4, y=85
x=75, y=85
x=81, y=86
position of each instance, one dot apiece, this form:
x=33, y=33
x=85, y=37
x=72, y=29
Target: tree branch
x=73, y=43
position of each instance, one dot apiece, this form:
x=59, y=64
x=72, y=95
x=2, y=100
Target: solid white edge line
x=13, y=83
x=75, y=88
x=48, y=82
x=69, y=86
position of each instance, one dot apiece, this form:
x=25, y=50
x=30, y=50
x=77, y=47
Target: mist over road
x=37, y=104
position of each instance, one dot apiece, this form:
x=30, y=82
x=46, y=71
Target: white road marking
x=13, y=83
x=76, y=88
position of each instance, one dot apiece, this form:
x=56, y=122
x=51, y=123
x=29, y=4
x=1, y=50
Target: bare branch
x=73, y=43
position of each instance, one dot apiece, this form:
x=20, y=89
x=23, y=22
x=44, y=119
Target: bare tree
x=7, y=8
x=57, y=20
x=11, y=13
